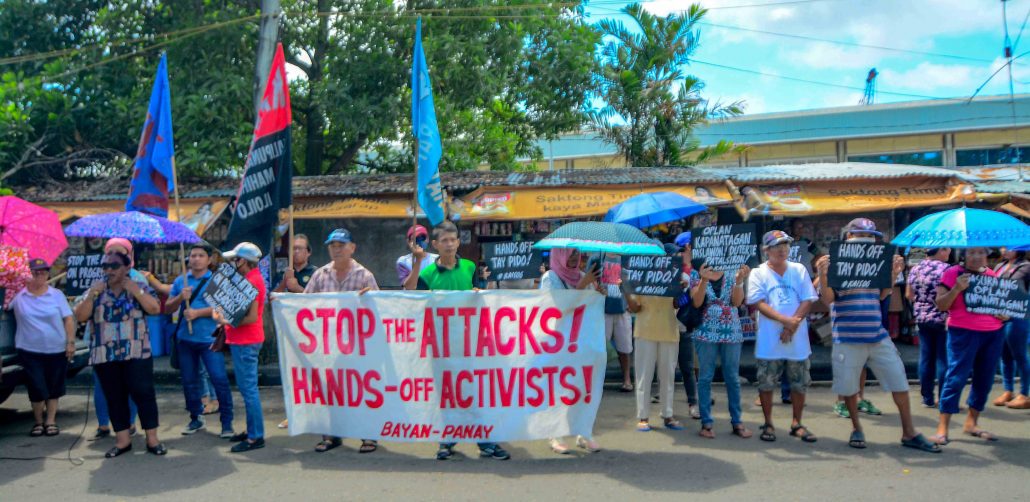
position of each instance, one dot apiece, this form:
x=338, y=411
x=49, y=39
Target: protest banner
x=860, y=265
x=799, y=253
x=230, y=292
x=512, y=261
x=653, y=275
x=451, y=366
x=725, y=247
x=996, y=296
x=83, y=271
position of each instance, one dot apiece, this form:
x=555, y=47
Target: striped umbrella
x=601, y=237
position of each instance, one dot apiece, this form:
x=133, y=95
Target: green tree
x=651, y=106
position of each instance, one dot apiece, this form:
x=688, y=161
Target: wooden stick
x=414, y=193
x=57, y=277
x=290, y=252
x=182, y=247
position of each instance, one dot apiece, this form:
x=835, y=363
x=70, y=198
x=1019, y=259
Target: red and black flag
x=266, y=185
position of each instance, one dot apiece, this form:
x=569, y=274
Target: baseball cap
x=417, y=230
x=683, y=239
x=245, y=250
x=861, y=226
x=339, y=235
x=775, y=237
x=38, y=264
x=671, y=249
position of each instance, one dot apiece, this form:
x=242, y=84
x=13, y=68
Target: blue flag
x=153, y=167
x=423, y=123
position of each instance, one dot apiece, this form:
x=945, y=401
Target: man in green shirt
x=448, y=273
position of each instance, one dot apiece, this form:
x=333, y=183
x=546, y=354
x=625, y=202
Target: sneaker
x=195, y=425
x=227, y=434
x=245, y=446
x=495, y=452
x=867, y=407
x=236, y=438
x=444, y=452
x=928, y=403
x=841, y=410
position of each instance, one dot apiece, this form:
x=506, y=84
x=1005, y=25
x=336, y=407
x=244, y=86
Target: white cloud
x=929, y=77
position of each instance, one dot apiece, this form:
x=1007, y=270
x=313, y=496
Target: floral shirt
x=118, y=328
x=924, y=279
x=721, y=322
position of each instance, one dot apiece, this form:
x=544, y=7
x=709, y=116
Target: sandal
x=328, y=444
x=706, y=432
x=643, y=426
x=921, y=443
x=673, y=424
x=559, y=447
x=695, y=412
x=368, y=446
x=857, y=440
x=982, y=434
x=939, y=440
x=805, y=436
x=588, y=444
x=37, y=430
x=52, y=430
x=210, y=408
x=766, y=435
x=741, y=431
x=115, y=451
x=626, y=387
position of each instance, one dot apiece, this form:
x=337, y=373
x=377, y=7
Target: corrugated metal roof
x=824, y=172
x=1002, y=186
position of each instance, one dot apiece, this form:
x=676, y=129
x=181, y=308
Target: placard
x=231, y=292
x=83, y=271
x=653, y=275
x=799, y=253
x=512, y=261
x=996, y=296
x=725, y=247
x=860, y=265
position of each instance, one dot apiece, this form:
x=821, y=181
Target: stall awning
x=848, y=196
x=351, y=207
x=198, y=213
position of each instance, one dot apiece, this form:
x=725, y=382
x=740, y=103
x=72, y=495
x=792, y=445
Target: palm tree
x=652, y=107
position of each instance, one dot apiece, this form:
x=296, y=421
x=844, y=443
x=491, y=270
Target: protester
x=120, y=349
x=657, y=345
x=923, y=280
x=195, y=333
x=719, y=337
x=244, y=341
x=447, y=272
x=783, y=294
x=343, y=273
x=417, y=234
x=859, y=339
x=685, y=357
x=975, y=342
x=564, y=273
x=45, y=340
x=617, y=322
x=294, y=279
x=1015, y=266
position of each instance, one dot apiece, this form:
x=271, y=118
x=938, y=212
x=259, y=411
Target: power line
x=721, y=7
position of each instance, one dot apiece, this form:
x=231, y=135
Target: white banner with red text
x=452, y=366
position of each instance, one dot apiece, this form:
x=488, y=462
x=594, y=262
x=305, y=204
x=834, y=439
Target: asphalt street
x=659, y=465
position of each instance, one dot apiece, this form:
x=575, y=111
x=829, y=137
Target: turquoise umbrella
x=965, y=228
x=601, y=237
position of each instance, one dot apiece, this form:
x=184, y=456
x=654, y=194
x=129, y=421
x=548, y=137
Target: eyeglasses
x=111, y=266
x=42, y=271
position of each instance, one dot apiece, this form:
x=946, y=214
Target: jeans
x=1014, y=356
x=191, y=355
x=728, y=355
x=933, y=359
x=975, y=352
x=245, y=366
x=686, y=364
x=207, y=389
x=122, y=379
x=482, y=446
x=100, y=403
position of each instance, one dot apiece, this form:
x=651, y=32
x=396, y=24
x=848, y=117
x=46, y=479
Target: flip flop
x=626, y=387
x=742, y=432
x=982, y=434
x=327, y=444
x=766, y=435
x=921, y=443
x=368, y=446
x=643, y=427
x=806, y=436
x=940, y=440
x=857, y=440
x=707, y=432
x=673, y=424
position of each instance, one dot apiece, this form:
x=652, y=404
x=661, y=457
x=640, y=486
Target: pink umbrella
x=28, y=226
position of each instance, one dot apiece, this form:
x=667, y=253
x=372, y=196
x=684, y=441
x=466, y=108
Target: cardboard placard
x=725, y=247
x=799, y=254
x=860, y=265
x=83, y=271
x=230, y=292
x=512, y=261
x=996, y=296
x=653, y=275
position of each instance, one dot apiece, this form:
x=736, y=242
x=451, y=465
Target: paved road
x=661, y=465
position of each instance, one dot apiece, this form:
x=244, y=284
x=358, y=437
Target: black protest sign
x=83, y=271
x=230, y=292
x=799, y=253
x=860, y=265
x=725, y=247
x=996, y=296
x=652, y=275
x=512, y=261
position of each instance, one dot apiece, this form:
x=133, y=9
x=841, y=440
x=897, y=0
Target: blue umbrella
x=133, y=225
x=601, y=237
x=653, y=208
x=965, y=228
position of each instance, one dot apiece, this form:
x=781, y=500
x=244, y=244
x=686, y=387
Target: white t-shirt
x=404, y=264
x=41, y=321
x=784, y=294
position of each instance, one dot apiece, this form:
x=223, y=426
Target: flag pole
x=290, y=252
x=414, y=193
x=182, y=247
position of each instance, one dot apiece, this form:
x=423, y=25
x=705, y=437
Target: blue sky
x=970, y=29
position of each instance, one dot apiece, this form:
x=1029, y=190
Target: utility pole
x=268, y=35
